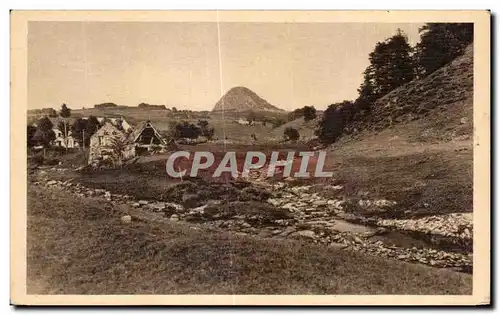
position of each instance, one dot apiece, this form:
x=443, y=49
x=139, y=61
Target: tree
x=291, y=134
x=44, y=134
x=62, y=127
x=205, y=129
x=92, y=127
x=276, y=122
x=391, y=64
x=440, y=43
x=309, y=113
x=52, y=113
x=118, y=146
x=297, y=113
x=366, y=91
x=186, y=130
x=31, y=130
x=65, y=112
x=335, y=118
x=78, y=130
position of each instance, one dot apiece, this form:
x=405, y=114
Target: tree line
x=393, y=63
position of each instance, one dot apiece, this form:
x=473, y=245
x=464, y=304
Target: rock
x=136, y=205
x=320, y=203
x=142, y=202
x=174, y=217
x=338, y=245
x=274, y=202
x=50, y=183
x=126, y=219
x=245, y=225
x=289, y=206
x=174, y=206
x=190, y=200
x=199, y=210
x=158, y=206
x=357, y=239
x=306, y=233
x=107, y=195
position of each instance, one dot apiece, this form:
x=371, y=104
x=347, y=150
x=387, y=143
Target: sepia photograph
x=250, y=157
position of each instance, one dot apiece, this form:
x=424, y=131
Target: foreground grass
x=79, y=246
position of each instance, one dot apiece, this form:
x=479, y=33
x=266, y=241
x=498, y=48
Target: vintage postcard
x=250, y=157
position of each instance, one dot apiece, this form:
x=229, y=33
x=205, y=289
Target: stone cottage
x=103, y=144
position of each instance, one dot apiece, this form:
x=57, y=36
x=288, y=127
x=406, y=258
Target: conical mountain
x=241, y=99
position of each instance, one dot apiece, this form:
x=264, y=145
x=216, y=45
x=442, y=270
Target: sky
x=190, y=65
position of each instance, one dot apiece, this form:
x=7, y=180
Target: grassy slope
x=78, y=246
x=416, y=147
x=423, y=178
x=306, y=129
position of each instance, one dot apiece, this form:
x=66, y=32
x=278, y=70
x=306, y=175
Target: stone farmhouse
x=103, y=143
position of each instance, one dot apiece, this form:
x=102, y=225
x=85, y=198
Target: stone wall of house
x=100, y=142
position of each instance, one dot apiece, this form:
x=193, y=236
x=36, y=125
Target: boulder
x=157, y=206
x=274, y=202
x=245, y=225
x=320, y=203
x=126, y=219
x=305, y=233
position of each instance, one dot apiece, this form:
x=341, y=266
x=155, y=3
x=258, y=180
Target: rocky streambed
x=283, y=211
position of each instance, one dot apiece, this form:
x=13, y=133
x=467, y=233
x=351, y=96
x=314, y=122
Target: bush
x=51, y=161
x=36, y=160
x=291, y=134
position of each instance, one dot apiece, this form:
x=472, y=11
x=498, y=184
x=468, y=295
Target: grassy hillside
x=75, y=250
x=416, y=146
x=438, y=107
x=306, y=128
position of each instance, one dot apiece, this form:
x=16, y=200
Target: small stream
x=325, y=227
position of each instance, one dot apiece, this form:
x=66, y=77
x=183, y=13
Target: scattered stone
x=157, y=206
x=174, y=217
x=126, y=219
x=245, y=225
x=338, y=245
x=306, y=233
x=320, y=203
x=273, y=202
